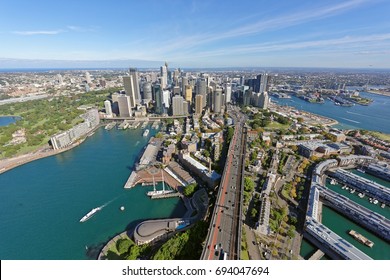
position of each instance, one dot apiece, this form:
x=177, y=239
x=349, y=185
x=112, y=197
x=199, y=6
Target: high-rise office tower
x=188, y=94
x=198, y=104
x=164, y=76
x=134, y=74
x=185, y=107
x=166, y=98
x=247, y=97
x=217, y=100
x=228, y=93
x=201, y=88
x=129, y=89
x=147, y=91
x=107, y=106
x=176, y=90
x=264, y=100
x=242, y=80
x=124, y=106
x=184, y=82
x=158, y=97
x=177, y=105
x=263, y=83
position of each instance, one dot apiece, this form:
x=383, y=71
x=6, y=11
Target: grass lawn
x=276, y=125
x=380, y=135
x=244, y=255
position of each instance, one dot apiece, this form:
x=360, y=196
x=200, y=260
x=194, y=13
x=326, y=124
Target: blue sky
x=325, y=33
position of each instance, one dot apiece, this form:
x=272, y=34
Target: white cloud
x=39, y=32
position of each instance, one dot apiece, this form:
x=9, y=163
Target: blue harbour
x=42, y=202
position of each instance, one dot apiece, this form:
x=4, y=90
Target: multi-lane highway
x=224, y=237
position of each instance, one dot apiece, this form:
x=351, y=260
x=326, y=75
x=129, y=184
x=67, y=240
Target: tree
x=291, y=232
x=189, y=190
x=253, y=213
x=123, y=245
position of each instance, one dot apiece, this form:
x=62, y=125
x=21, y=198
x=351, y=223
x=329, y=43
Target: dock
x=317, y=255
x=166, y=195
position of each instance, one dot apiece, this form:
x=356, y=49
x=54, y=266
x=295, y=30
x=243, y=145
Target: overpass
x=224, y=234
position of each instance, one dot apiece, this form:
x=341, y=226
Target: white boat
x=383, y=205
x=333, y=182
x=361, y=170
x=375, y=201
x=146, y=132
x=90, y=214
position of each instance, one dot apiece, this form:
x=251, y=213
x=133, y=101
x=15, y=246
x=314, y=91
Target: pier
x=165, y=195
x=364, y=185
x=361, y=215
x=320, y=235
x=317, y=255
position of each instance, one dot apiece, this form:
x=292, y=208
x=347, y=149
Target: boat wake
x=350, y=120
x=108, y=202
x=368, y=116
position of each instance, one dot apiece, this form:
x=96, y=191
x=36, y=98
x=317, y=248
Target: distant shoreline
x=379, y=93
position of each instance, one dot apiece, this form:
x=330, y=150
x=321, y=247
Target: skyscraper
x=184, y=82
x=198, y=104
x=134, y=74
x=186, y=107
x=264, y=100
x=129, y=89
x=159, y=107
x=217, y=100
x=188, y=93
x=228, y=93
x=264, y=83
x=164, y=76
x=166, y=98
x=124, y=106
x=177, y=105
x=107, y=106
x=201, y=88
x=147, y=91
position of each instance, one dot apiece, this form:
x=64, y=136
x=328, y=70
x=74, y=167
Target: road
x=224, y=236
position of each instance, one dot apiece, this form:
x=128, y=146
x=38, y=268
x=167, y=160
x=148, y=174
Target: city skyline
x=348, y=34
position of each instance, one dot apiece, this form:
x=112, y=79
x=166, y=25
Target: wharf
x=166, y=195
x=317, y=255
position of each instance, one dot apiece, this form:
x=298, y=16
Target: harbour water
x=42, y=202
x=341, y=225
x=6, y=120
x=376, y=116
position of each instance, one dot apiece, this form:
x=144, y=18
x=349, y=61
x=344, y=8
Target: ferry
x=146, y=133
x=90, y=214
x=361, y=238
